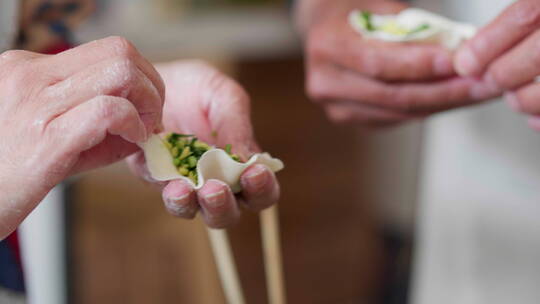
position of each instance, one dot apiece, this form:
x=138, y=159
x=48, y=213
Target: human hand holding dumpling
x=203, y=102
x=373, y=82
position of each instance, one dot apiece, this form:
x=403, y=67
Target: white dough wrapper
x=441, y=30
x=213, y=164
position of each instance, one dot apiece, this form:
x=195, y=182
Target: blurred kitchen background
x=347, y=209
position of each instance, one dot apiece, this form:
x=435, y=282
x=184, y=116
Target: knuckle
x=105, y=106
x=127, y=66
x=121, y=46
x=10, y=55
x=126, y=71
x=109, y=107
x=18, y=78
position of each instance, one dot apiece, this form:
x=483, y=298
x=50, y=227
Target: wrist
x=10, y=216
x=19, y=198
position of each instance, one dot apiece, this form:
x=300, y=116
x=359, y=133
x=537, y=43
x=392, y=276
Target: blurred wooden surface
x=126, y=249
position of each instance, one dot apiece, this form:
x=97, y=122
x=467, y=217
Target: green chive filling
x=365, y=20
x=186, y=151
x=389, y=27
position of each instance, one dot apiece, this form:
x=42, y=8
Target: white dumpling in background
x=413, y=25
x=213, y=164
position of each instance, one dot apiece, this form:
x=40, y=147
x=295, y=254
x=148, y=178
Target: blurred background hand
x=377, y=83
x=505, y=54
x=202, y=101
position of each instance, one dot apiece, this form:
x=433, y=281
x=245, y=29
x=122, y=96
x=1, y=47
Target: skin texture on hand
x=376, y=83
x=202, y=101
x=62, y=114
x=506, y=53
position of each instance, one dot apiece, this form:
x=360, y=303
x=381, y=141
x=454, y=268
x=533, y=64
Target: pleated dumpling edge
x=213, y=164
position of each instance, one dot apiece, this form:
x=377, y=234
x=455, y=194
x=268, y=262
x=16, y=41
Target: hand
x=202, y=101
x=377, y=83
x=63, y=114
x=505, y=53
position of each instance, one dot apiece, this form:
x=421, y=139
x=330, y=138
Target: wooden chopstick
x=275, y=282
x=228, y=272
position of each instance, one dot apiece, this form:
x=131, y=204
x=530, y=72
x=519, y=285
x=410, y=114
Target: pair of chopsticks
x=272, y=260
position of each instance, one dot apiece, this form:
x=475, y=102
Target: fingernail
x=180, y=205
x=442, y=65
x=534, y=122
x=466, y=63
x=257, y=177
x=216, y=200
x=512, y=101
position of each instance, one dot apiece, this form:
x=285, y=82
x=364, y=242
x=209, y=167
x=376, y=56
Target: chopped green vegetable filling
x=390, y=27
x=186, y=151
x=365, y=20
x=420, y=28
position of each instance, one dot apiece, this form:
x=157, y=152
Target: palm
x=202, y=101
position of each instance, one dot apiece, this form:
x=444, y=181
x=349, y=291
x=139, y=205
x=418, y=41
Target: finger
x=180, y=199
x=514, y=24
x=137, y=164
x=218, y=205
x=87, y=125
x=379, y=59
x=114, y=77
x=526, y=99
x=365, y=115
x=76, y=59
x=519, y=66
x=17, y=55
x=12, y=60
x=327, y=83
x=110, y=150
x=260, y=188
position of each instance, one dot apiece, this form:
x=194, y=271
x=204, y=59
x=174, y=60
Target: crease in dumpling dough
x=213, y=164
x=413, y=25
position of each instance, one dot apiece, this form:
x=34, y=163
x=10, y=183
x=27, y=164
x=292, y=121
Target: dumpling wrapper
x=441, y=30
x=213, y=164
